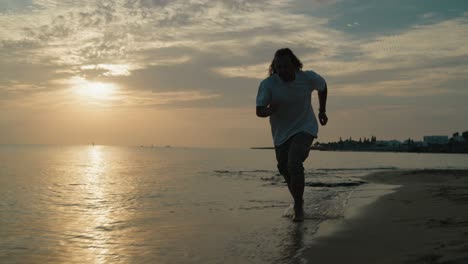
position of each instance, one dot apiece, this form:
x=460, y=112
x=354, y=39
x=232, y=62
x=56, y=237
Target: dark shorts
x=291, y=154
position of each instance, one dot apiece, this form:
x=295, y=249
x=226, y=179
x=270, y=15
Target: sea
x=114, y=204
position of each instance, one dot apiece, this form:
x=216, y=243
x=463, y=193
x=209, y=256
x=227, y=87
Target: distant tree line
x=456, y=144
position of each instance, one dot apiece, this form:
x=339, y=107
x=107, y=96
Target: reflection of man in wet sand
x=285, y=96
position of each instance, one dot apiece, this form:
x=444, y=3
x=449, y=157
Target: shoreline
x=404, y=216
x=371, y=150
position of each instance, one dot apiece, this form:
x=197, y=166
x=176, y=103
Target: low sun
x=95, y=90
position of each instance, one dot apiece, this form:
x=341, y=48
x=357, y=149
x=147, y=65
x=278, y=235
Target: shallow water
x=106, y=204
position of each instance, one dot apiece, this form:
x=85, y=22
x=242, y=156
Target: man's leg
x=298, y=153
x=282, y=153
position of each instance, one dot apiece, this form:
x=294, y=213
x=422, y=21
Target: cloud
x=158, y=46
x=152, y=99
x=219, y=49
x=435, y=41
x=423, y=60
x=247, y=71
x=109, y=69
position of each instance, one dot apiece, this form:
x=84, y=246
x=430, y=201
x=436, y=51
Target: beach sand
x=422, y=217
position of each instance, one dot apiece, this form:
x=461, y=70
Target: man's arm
x=323, y=100
x=323, y=106
x=265, y=111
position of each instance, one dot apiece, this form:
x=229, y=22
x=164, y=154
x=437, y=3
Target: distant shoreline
x=372, y=150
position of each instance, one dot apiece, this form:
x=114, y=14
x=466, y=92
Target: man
x=285, y=97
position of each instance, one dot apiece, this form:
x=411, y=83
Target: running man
x=285, y=97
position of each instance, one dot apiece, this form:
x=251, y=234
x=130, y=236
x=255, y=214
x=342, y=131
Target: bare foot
x=298, y=215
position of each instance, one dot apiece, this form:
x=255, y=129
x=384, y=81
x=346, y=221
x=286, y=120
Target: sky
x=186, y=73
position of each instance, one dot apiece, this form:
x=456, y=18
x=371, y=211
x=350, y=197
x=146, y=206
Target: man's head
x=285, y=64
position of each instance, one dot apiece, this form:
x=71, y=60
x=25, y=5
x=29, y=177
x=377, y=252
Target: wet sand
x=400, y=217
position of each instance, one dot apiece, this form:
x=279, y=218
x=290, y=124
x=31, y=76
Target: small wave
x=265, y=175
x=280, y=181
x=266, y=201
x=104, y=228
x=116, y=225
x=263, y=207
x=240, y=172
x=70, y=204
x=357, y=169
x=264, y=204
x=85, y=237
x=18, y=248
x=325, y=178
x=136, y=245
x=335, y=184
x=272, y=178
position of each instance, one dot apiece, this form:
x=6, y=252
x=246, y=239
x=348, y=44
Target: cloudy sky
x=186, y=73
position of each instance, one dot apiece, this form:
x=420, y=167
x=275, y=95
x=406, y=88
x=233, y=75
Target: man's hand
x=323, y=118
x=266, y=111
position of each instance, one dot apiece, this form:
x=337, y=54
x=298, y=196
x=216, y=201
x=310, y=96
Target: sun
x=95, y=90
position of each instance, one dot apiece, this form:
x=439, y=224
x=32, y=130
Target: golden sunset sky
x=186, y=73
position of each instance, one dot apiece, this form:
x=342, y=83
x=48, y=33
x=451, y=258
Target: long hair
x=284, y=52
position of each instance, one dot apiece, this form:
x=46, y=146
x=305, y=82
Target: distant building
x=459, y=139
x=465, y=135
x=436, y=139
x=388, y=143
x=456, y=137
x=411, y=144
x=419, y=143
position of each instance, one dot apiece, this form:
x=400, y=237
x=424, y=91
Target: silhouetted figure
x=285, y=97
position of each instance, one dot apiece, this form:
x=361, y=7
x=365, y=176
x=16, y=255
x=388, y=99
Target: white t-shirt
x=294, y=105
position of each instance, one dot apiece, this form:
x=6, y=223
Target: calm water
x=105, y=204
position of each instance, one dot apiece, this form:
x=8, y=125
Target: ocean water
x=108, y=204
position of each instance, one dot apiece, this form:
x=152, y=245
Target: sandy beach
x=422, y=217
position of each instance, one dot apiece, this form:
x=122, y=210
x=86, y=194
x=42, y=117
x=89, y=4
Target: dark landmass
x=456, y=144
x=407, y=146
